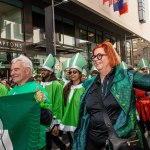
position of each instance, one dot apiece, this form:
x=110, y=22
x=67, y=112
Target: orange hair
x=114, y=59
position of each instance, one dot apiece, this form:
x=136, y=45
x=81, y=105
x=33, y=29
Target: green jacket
x=27, y=88
x=122, y=89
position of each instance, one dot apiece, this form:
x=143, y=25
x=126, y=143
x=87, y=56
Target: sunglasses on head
x=73, y=72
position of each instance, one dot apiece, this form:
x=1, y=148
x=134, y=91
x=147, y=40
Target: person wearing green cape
x=55, y=94
x=65, y=73
x=21, y=73
x=72, y=93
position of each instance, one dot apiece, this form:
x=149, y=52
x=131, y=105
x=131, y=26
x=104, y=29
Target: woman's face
x=100, y=59
x=75, y=76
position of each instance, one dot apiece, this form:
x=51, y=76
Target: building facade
x=27, y=27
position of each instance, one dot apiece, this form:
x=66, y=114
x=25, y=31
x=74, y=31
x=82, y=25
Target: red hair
x=114, y=59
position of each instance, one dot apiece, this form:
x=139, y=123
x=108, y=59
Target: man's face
x=45, y=73
x=67, y=73
x=145, y=70
x=19, y=73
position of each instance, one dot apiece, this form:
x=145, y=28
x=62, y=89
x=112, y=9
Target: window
x=38, y=27
x=10, y=22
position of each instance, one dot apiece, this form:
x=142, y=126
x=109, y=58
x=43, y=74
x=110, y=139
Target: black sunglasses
x=74, y=72
x=98, y=56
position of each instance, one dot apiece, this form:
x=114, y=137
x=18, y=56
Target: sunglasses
x=98, y=56
x=73, y=72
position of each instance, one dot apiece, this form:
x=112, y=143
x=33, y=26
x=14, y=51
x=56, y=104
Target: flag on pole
x=125, y=7
x=19, y=122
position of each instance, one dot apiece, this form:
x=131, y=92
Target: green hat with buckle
x=59, y=74
x=123, y=65
x=65, y=64
x=77, y=62
x=143, y=63
x=49, y=63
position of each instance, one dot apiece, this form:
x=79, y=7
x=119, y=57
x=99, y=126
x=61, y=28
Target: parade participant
x=143, y=101
x=55, y=93
x=84, y=75
x=93, y=71
x=72, y=92
x=59, y=75
x=21, y=73
x=114, y=87
x=65, y=74
x=3, y=90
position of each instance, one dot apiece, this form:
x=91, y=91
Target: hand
x=40, y=96
x=55, y=130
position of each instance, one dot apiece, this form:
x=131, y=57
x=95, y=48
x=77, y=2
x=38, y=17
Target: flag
x=19, y=122
x=110, y=2
x=118, y=5
x=125, y=8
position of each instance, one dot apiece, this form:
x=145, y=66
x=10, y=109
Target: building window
x=69, y=32
x=10, y=22
x=91, y=35
x=38, y=27
x=65, y=31
x=99, y=37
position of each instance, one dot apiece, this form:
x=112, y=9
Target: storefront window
x=99, y=37
x=10, y=22
x=91, y=35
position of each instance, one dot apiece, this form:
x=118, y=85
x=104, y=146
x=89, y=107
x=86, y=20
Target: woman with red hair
x=114, y=87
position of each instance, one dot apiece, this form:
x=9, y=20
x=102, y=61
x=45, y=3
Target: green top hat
x=59, y=74
x=123, y=65
x=49, y=63
x=84, y=72
x=66, y=64
x=77, y=62
x=143, y=63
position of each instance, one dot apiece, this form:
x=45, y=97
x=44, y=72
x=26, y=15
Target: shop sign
x=10, y=45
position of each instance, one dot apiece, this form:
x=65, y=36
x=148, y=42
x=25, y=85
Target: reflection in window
x=10, y=22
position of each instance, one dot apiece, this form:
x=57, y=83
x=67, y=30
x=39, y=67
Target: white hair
x=25, y=61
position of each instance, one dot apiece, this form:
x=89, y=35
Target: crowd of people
x=73, y=98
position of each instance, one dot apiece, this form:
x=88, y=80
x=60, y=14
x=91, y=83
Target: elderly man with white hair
x=21, y=73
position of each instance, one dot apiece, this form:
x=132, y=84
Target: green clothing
x=3, y=90
x=70, y=118
x=122, y=89
x=55, y=94
x=27, y=88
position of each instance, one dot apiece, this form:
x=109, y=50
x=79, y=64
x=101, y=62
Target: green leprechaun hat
x=143, y=63
x=49, y=63
x=123, y=65
x=77, y=62
x=65, y=64
x=59, y=74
